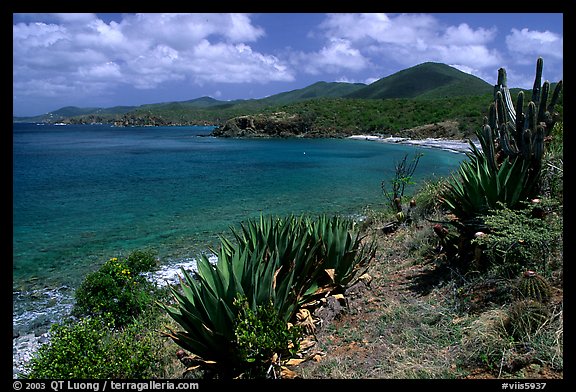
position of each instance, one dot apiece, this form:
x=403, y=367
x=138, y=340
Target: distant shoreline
x=459, y=146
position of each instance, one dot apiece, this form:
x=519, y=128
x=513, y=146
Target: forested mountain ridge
x=424, y=94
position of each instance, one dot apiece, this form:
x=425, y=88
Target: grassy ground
x=419, y=319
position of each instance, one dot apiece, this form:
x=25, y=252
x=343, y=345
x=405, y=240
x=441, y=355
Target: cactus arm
x=500, y=108
x=519, y=114
x=529, y=130
x=537, y=80
x=508, y=113
x=538, y=145
x=509, y=107
x=555, y=96
x=487, y=143
x=520, y=117
x=493, y=116
x=527, y=143
x=543, y=101
x=508, y=146
x=531, y=117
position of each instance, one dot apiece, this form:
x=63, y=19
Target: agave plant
x=340, y=253
x=296, y=261
x=344, y=253
x=480, y=187
x=278, y=261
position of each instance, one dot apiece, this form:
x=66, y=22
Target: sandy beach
x=444, y=144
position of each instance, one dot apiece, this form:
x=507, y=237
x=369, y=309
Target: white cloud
x=106, y=71
x=464, y=35
x=405, y=28
x=536, y=43
x=79, y=51
x=337, y=55
x=233, y=64
x=409, y=39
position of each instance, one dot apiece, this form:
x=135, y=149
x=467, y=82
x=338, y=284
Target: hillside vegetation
x=426, y=94
x=426, y=81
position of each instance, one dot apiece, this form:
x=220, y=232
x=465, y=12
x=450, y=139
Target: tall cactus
x=511, y=132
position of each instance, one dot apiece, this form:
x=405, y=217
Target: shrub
x=552, y=177
x=91, y=348
x=403, y=176
x=139, y=261
x=263, y=339
x=518, y=241
x=118, y=289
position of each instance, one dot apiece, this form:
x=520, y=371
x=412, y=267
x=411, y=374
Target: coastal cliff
x=282, y=124
x=279, y=124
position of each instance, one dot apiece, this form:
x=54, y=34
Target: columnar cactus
x=511, y=132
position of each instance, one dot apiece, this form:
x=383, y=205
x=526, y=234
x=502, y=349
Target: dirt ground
x=400, y=321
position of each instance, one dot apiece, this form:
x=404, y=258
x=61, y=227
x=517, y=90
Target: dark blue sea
x=84, y=194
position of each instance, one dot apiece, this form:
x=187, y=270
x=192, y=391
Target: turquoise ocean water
x=83, y=194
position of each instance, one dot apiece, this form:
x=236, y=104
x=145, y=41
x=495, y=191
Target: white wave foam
x=168, y=274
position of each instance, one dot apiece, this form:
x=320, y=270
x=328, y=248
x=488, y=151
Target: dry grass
x=413, y=322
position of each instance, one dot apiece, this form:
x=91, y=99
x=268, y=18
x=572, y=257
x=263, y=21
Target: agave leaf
x=196, y=346
x=207, y=276
x=193, y=326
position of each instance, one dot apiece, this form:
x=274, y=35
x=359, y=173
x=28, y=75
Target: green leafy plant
x=91, y=348
x=263, y=339
x=139, y=261
x=344, y=253
x=518, y=241
x=402, y=177
x=338, y=251
x=479, y=187
x=118, y=288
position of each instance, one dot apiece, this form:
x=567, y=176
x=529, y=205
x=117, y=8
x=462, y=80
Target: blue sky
x=104, y=60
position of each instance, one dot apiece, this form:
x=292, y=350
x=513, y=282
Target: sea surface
x=83, y=194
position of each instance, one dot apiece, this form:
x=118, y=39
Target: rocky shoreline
x=286, y=125
x=459, y=146
x=26, y=343
x=23, y=349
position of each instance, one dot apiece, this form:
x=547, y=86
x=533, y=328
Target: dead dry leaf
x=331, y=272
x=287, y=373
x=295, y=361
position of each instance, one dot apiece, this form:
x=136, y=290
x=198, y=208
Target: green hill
x=73, y=111
x=427, y=80
x=316, y=90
